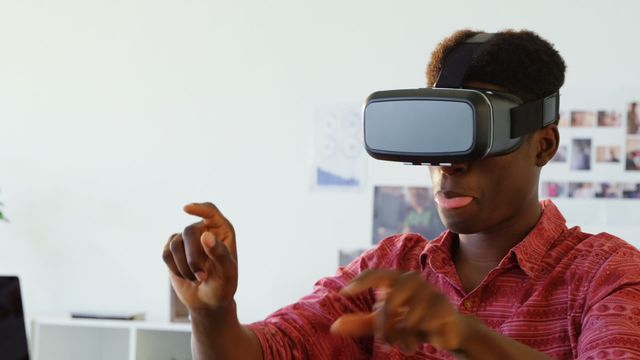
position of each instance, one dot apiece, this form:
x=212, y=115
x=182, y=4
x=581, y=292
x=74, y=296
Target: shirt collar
x=438, y=253
x=529, y=252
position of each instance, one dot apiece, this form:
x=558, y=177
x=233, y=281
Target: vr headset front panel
x=427, y=126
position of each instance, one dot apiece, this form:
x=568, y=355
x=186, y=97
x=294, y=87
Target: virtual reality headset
x=448, y=124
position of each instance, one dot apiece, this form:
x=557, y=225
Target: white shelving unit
x=80, y=339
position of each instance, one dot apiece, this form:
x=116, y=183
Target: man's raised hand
x=203, y=260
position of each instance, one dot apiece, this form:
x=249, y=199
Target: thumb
x=354, y=325
x=217, y=251
x=208, y=242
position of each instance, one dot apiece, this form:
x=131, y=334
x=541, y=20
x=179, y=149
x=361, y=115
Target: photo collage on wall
x=594, y=144
x=400, y=209
x=604, y=141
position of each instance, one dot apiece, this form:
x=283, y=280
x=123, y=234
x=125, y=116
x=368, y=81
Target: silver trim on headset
x=490, y=122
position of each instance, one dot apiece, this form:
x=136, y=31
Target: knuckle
x=165, y=247
x=191, y=234
x=190, y=230
x=175, y=245
x=167, y=256
x=210, y=205
x=193, y=264
x=171, y=237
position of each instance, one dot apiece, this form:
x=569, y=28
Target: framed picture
x=398, y=209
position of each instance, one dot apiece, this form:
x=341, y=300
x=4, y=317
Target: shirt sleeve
x=611, y=322
x=301, y=330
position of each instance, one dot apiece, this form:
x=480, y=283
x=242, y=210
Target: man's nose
x=454, y=169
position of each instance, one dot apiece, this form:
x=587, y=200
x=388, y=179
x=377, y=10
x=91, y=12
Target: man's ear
x=546, y=140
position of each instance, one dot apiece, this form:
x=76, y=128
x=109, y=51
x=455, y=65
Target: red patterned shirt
x=561, y=291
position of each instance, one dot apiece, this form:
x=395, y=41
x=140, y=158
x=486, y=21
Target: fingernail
x=201, y=275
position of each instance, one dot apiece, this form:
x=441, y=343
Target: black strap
x=457, y=61
x=525, y=118
x=534, y=115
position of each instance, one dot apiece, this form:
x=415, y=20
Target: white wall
x=114, y=114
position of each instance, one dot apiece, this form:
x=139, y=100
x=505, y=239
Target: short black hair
x=522, y=62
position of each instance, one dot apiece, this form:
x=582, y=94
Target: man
x=507, y=280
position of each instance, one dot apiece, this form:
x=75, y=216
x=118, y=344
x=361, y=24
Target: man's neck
x=475, y=255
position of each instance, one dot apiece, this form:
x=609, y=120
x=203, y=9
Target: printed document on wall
x=339, y=158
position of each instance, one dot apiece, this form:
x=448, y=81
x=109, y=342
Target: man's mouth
x=452, y=200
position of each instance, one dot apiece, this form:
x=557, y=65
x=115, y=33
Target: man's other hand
x=411, y=312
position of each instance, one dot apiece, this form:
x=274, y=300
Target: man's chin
x=460, y=226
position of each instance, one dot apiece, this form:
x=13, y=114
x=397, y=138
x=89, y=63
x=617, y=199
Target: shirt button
x=467, y=304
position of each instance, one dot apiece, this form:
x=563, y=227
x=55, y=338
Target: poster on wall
x=399, y=209
x=339, y=159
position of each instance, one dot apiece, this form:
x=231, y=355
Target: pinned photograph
x=563, y=119
x=582, y=190
x=583, y=119
x=405, y=209
x=561, y=154
x=632, y=161
x=633, y=119
x=581, y=154
x=631, y=191
x=609, y=119
x=608, y=154
x=608, y=190
x=554, y=189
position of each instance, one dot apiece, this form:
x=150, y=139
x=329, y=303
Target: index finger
x=370, y=279
x=209, y=213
